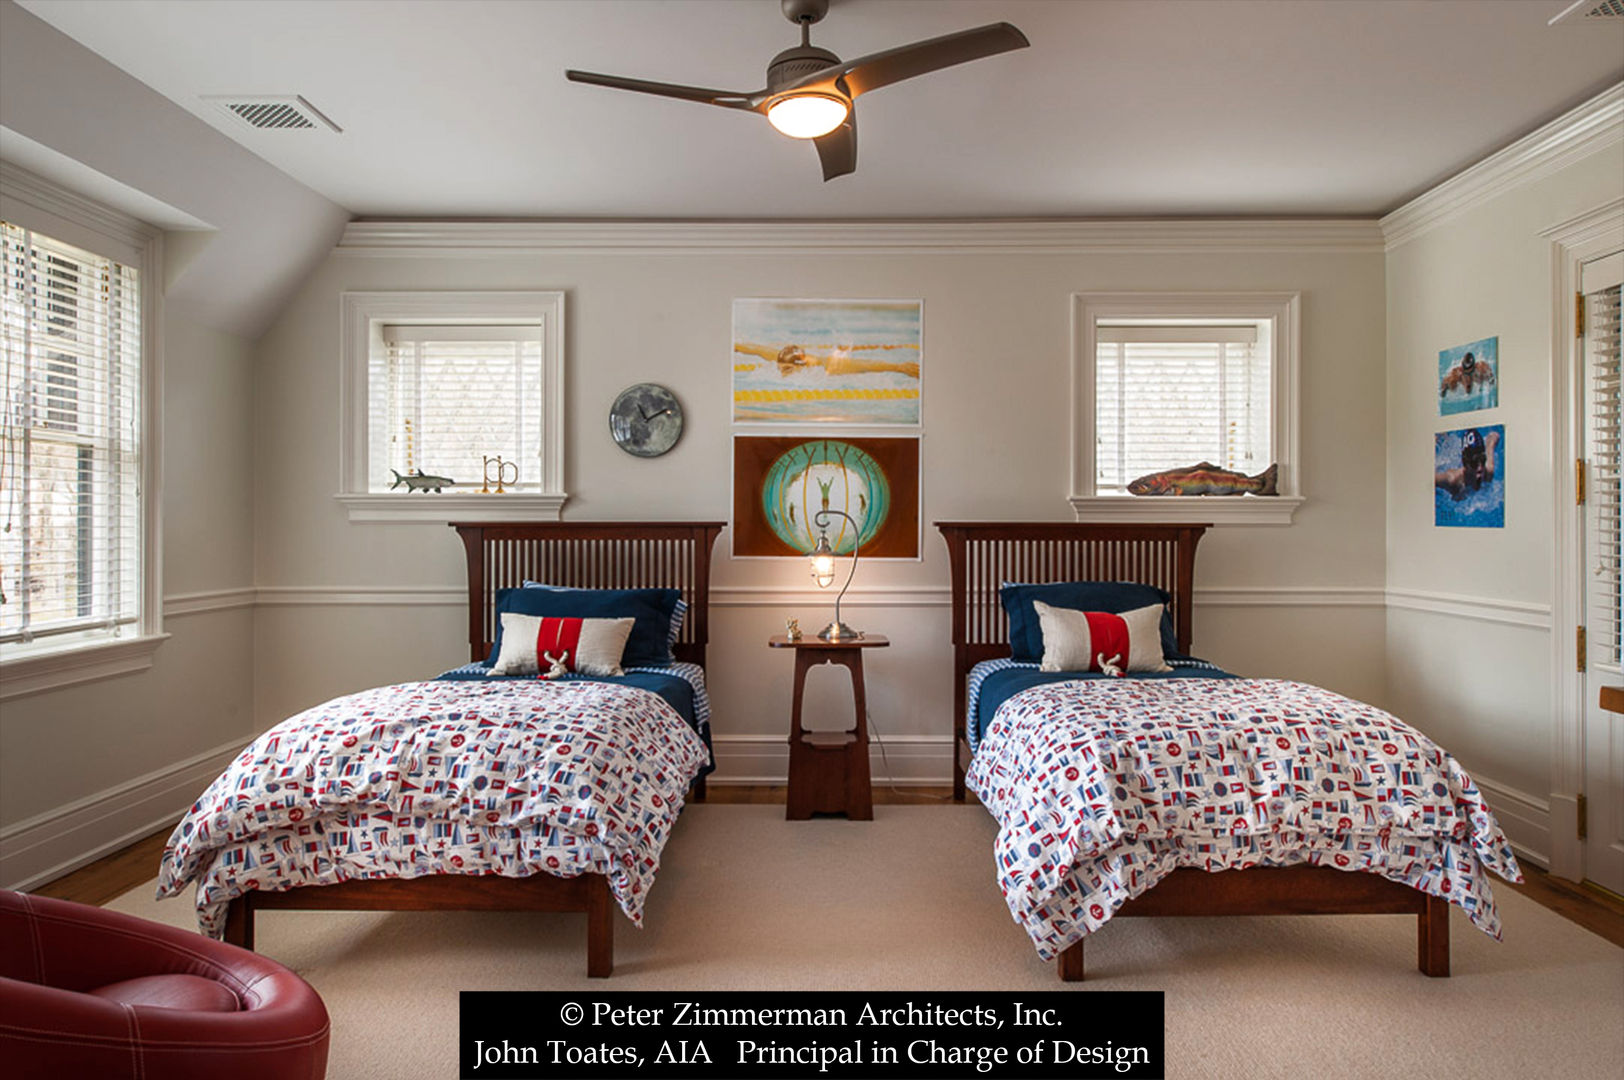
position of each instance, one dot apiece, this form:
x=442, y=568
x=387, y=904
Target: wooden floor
x=1596, y=910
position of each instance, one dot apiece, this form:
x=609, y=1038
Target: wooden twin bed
x=984, y=555
x=595, y=555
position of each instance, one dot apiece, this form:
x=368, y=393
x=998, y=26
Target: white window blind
x=443, y=399
x=1172, y=395
x=70, y=441
x=1602, y=339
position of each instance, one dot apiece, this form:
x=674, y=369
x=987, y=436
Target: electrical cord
x=890, y=775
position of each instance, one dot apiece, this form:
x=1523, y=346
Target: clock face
x=645, y=420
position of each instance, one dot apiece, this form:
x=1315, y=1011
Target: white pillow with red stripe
x=531, y=644
x=1099, y=641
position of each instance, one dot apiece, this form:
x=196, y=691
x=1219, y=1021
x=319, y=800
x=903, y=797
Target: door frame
x=1573, y=243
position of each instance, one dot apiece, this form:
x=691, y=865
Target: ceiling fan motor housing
x=793, y=63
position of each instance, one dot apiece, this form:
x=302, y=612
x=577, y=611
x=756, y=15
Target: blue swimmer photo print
x=1468, y=477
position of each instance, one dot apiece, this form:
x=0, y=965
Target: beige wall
x=1478, y=680
x=112, y=759
x=996, y=444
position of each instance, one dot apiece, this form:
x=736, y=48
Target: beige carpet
x=749, y=901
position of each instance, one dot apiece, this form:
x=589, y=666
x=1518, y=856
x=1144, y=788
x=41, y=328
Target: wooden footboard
x=1288, y=890
x=588, y=893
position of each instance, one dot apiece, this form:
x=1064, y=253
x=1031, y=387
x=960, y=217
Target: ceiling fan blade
x=879, y=69
x=727, y=99
x=838, y=149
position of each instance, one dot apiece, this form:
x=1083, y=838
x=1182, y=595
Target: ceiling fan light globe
x=807, y=116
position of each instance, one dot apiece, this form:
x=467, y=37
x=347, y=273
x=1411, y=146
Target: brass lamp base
x=839, y=631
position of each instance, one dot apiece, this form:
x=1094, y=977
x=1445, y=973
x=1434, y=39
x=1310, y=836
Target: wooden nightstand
x=828, y=770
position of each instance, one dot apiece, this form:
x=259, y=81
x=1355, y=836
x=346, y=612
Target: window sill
x=426, y=506
x=1189, y=509
x=22, y=675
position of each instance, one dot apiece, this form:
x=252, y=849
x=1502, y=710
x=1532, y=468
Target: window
x=1163, y=382
x=447, y=398
x=442, y=385
x=78, y=575
x=1601, y=419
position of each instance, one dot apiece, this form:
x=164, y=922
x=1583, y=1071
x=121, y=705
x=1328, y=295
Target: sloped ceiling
x=244, y=234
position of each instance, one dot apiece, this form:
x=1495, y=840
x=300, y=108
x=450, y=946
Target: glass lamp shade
x=807, y=116
x=823, y=563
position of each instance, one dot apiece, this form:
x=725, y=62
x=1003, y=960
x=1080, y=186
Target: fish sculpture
x=421, y=481
x=1206, y=479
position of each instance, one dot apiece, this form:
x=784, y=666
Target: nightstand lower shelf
x=828, y=770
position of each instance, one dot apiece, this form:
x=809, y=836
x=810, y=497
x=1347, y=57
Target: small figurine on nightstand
x=792, y=629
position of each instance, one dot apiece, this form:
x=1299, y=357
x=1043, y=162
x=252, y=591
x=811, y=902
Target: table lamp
x=823, y=571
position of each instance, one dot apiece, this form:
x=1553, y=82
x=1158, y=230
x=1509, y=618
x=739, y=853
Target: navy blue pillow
x=1114, y=597
x=650, y=640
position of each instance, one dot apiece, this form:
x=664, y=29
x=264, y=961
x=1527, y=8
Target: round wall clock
x=645, y=420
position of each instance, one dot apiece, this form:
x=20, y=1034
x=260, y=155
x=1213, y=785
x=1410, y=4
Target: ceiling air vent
x=288, y=112
x=1590, y=9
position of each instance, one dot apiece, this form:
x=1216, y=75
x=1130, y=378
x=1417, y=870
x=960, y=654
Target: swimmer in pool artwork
x=1468, y=377
x=1467, y=480
x=838, y=361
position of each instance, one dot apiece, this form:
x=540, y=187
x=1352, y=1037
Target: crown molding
x=1592, y=127
x=53, y=198
x=487, y=239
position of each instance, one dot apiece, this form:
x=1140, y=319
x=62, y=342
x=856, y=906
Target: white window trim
x=362, y=313
x=1572, y=243
x=1283, y=309
x=38, y=204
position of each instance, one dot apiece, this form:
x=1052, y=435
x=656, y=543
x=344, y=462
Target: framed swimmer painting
x=1469, y=377
x=780, y=482
x=1469, y=477
x=853, y=362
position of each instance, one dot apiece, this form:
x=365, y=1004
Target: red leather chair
x=89, y=992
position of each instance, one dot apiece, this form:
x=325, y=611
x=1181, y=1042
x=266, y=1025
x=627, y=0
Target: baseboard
x=1524, y=818
x=903, y=760
x=48, y=845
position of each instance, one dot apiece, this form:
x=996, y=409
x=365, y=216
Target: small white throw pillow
x=533, y=644
x=1098, y=641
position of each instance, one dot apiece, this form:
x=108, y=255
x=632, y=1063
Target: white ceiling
x=1119, y=108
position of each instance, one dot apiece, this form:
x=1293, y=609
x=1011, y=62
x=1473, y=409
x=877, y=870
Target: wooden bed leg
x=240, y=924
x=697, y=793
x=600, y=931
x=1432, y=938
x=1071, y=963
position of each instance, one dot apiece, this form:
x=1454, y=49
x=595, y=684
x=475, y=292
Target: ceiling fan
x=810, y=91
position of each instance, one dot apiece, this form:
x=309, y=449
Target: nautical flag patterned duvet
x=511, y=778
x=1103, y=788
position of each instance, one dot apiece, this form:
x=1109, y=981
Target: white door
x=1604, y=731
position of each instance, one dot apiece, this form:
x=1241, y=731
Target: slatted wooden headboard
x=590, y=555
x=983, y=555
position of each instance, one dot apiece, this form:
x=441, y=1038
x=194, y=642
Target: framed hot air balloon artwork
x=781, y=482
